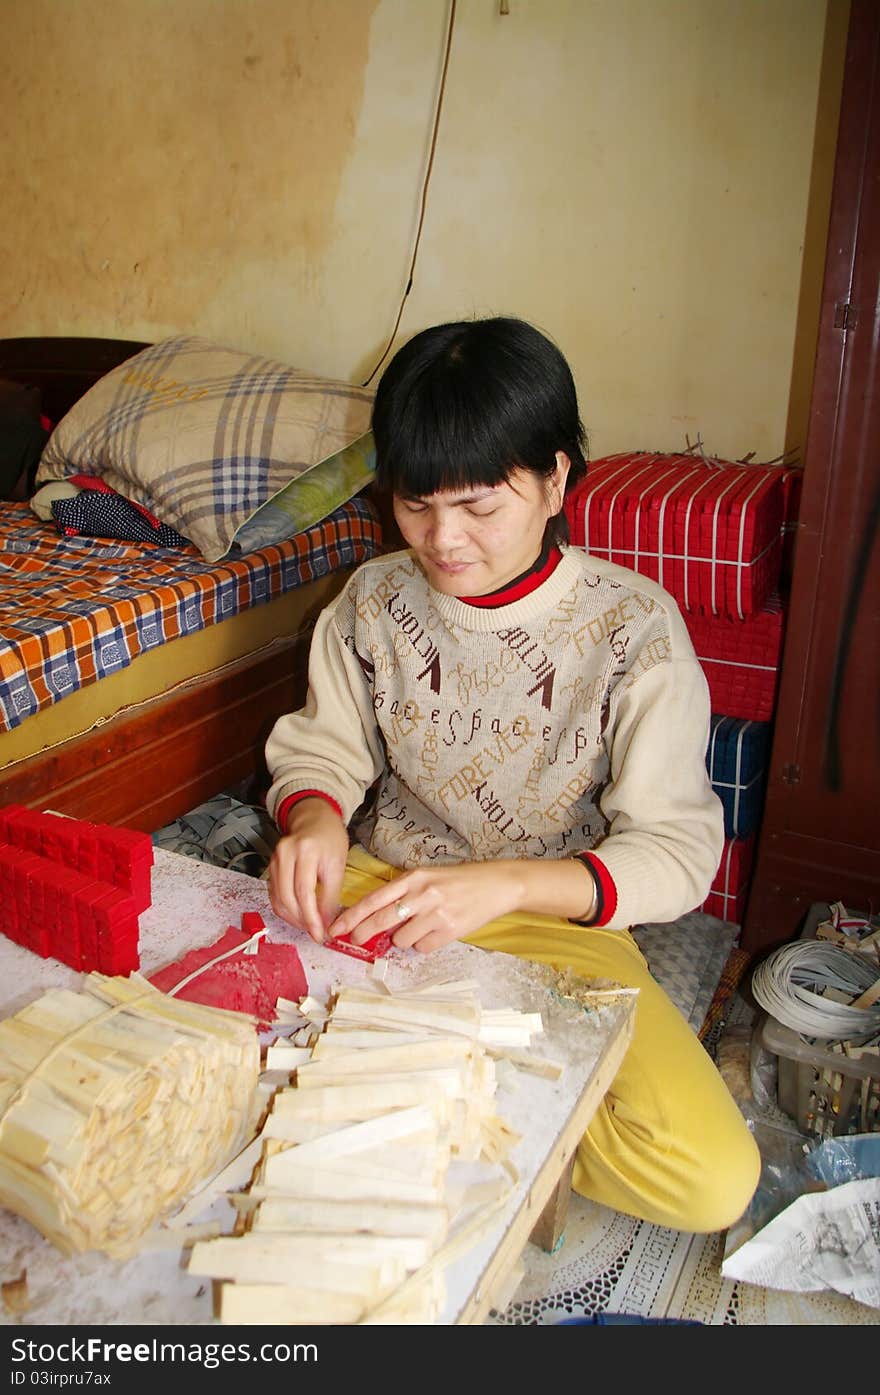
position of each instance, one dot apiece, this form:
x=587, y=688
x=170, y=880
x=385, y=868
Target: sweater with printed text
x=575, y=718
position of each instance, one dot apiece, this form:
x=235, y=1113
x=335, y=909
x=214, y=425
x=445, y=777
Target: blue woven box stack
x=736, y=759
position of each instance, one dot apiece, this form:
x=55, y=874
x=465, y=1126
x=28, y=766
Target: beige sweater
x=575, y=718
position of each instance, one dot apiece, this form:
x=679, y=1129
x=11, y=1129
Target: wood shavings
x=378, y=972
x=286, y=1058
x=522, y=1060
x=506, y=1074
x=237, y=1173
x=498, y=1140
x=180, y=1237
x=588, y=993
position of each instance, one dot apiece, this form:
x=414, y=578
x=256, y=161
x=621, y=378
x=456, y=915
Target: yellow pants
x=667, y=1143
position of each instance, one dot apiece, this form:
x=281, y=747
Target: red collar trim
x=518, y=589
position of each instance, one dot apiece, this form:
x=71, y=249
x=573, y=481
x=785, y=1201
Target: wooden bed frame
x=146, y=767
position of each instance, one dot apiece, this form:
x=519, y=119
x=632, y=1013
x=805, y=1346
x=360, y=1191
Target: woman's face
x=472, y=541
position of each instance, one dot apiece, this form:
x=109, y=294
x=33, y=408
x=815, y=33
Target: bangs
x=446, y=453
x=449, y=434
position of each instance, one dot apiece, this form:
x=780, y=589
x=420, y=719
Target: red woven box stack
x=727, y=899
x=740, y=659
x=710, y=532
x=73, y=890
x=716, y=534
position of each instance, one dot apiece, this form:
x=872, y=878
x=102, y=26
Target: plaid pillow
x=203, y=435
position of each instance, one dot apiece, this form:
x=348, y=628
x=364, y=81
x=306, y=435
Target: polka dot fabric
x=100, y=513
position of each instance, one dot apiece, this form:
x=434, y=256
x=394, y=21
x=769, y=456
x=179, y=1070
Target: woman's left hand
x=429, y=907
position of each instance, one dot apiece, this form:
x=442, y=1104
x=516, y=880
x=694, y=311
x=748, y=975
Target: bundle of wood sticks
x=381, y=1159
x=116, y=1101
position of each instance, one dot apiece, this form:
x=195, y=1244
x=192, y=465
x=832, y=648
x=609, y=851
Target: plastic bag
x=814, y=1222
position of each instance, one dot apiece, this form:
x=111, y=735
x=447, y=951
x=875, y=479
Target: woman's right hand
x=307, y=867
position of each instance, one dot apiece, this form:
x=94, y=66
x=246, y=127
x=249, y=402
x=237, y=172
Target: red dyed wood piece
x=248, y=983
x=371, y=951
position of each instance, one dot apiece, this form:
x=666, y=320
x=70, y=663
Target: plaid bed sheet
x=73, y=610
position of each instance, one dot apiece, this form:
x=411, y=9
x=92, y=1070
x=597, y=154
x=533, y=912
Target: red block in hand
x=374, y=949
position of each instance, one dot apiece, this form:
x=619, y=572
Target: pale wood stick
x=258, y=1304
x=869, y=997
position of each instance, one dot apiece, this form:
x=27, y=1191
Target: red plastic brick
x=109, y=907
x=8, y=814
x=87, y=858
x=67, y=837
x=12, y=928
x=25, y=831
x=141, y=893
x=73, y=889
x=36, y=937
x=23, y=872
x=51, y=916
x=119, y=958
x=128, y=841
x=106, y=866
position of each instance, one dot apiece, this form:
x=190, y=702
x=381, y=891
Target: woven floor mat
x=611, y=1263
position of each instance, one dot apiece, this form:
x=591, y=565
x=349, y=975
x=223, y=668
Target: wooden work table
x=193, y=903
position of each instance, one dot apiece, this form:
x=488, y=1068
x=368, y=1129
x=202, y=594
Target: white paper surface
x=823, y=1240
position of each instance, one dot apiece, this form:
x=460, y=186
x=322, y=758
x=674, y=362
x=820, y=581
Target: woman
x=516, y=733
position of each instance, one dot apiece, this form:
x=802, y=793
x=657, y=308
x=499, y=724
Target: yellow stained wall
x=632, y=175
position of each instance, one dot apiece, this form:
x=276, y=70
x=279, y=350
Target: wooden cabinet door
x=820, y=837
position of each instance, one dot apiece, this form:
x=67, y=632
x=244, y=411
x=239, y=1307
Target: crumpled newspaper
x=828, y=1236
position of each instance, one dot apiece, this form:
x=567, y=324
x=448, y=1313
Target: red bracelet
x=606, y=891
x=287, y=804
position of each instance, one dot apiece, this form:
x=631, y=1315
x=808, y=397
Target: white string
x=242, y=948
x=786, y=983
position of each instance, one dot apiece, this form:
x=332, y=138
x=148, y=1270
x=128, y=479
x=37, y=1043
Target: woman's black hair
x=467, y=403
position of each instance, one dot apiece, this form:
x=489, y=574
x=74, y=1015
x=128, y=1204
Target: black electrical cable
x=833, y=763
x=424, y=197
